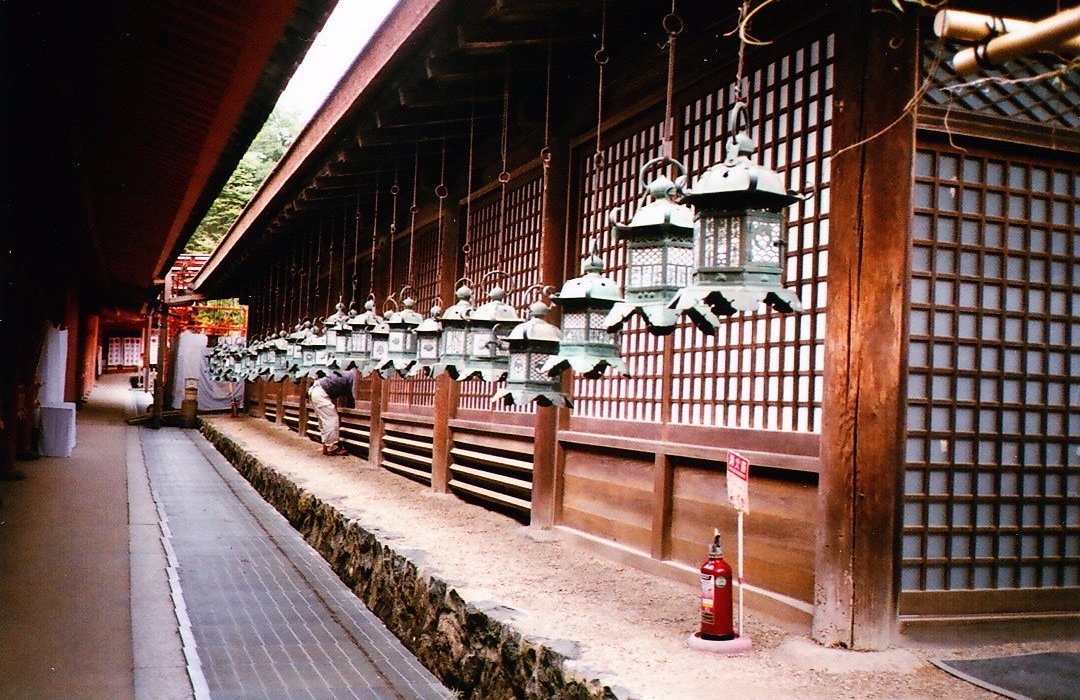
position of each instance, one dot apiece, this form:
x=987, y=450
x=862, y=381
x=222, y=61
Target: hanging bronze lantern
x=660, y=254
x=359, y=341
x=280, y=348
x=296, y=349
x=337, y=334
x=739, y=235
x=453, y=349
x=401, y=343
x=488, y=326
x=427, y=344
x=588, y=347
x=314, y=353
x=531, y=345
x=380, y=345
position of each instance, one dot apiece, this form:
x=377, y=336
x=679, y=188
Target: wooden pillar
x=446, y=389
x=159, y=375
x=71, y=323
x=857, y=565
x=91, y=336
x=302, y=407
x=552, y=262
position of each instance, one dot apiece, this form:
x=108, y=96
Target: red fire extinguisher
x=235, y=409
x=716, y=604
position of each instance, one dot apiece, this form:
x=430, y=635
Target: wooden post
x=663, y=481
x=88, y=354
x=71, y=323
x=552, y=256
x=159, y=375
x=379, y=393
x=857, y=564
x=446, y=389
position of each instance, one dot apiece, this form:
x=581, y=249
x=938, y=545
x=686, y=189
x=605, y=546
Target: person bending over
x=322, y=393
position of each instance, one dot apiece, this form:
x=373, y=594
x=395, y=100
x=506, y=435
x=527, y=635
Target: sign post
x=738, y=489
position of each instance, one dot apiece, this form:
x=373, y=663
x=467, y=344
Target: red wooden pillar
x=857, y=566
x=71, y=323
x=552, y=256
x=91, y=336
x=446, y=389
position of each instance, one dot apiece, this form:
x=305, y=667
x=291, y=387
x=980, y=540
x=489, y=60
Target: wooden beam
x=857, y=564
x=1050, y=34
x=973, y=26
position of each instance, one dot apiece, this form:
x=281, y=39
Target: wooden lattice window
x=419, y=391
x=763, y=370
x=613, y=185
x=515, y=250
x=993, y=393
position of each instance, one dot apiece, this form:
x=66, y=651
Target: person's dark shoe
x=334, y=451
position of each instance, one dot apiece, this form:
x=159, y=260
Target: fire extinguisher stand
x=716, y=636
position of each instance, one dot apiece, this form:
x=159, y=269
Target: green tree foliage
x=265, y=151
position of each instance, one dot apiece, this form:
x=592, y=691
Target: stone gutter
x=470, y=645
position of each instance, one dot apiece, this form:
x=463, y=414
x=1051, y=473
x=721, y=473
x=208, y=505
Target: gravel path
x=631, y=628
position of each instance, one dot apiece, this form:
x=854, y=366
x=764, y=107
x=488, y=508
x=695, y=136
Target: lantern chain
x=673, y=25
x=466, y=248
x=330, y=269
x=413, y=209
x=344, y=232
x=601, y=57
x=318, y=266
x=740, y=67
x=504, y=176
x=356, y=249
x=394, y=191
x=441, y=193
x=374, y=239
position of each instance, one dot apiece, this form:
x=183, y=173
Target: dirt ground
x=630, y=628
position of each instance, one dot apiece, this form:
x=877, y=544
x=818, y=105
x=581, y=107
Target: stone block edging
x=468, y=649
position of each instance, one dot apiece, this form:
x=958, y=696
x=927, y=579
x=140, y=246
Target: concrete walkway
x=145, y=567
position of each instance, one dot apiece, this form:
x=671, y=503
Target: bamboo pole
x=1046, y=35
x=972, y=26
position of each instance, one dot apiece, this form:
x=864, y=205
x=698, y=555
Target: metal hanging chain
x=466, y=248
x=356, y=249
x=441, y=193
x=601, y=57
x=374, y=239
x=545, y=152
x=305, y=289
x=413, y=209
x=330, y=269
x=318, y=265
x=740, y=66
x=344, y=231
x=292, y=276
x=394, y=190
x=504, y=176
x=673, y=25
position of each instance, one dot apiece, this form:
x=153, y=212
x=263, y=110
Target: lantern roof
x=591, y=285
x=536, y=328
x=462, y=308
x=406, y=316
x=738, y=182
x=366, y=319
x=662, y=216
x=495, y=310
x=431, y=323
